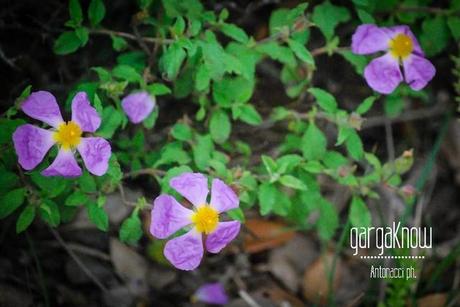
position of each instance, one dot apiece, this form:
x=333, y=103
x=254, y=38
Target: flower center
x=205, y=219
x=401, y=46
x=68, y=135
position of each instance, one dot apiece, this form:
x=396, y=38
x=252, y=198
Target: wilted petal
x=223, y=198
x=42, y=105
x=212, y=294
x=368, y=39
x=168, y=216
x=31, y=144
x=64, y=165
x=138, y=106
x=84, y=114
x=185, y=252
x=383, y=74
x=224, y=234
x=418, y=71
x=193, y=186
x=96, y=153
x=394, y=31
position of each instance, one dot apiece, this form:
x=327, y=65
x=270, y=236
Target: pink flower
x=168, y=216
x=32, y=143
x=383, y=74
x=213, y=293
x=138, y=106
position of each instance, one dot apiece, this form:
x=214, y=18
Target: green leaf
x=328, y=219
x=394, y=105
x=334, y=159
x=301, y=52
x=359, y=62
x=366, y=105
x=87, y=183
x=49, y=212
x=7, y=128
x=359, y=213
x=292, y=182
x=435, y=35
x=278, y=53
x=202, y=151
x=454, y=25
x=8, y=180
x=51, y=186
x=287, y=163
x=111, y=120
x=270, y=164
x=181, y=132
x=234, y=32
x=98, y=216
x=202, y=78
x=220, y=126
x=267, y=197
x=11, y=201
x=126, y=72
x=171, y=61
x=354, y=146
x=96, y=12
x=249, y=115
x=66, y=43
x=325, y=100
x=158, y=89
x=76, y=14
x=83, y=35
x=150, y=120
x=118, y=43
x=327, y=16
x=313, y=143
x=77, y=198
x=131, y=229
x=232, y=90
x=25, y=218
x=365, y=17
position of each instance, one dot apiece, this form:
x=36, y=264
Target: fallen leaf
x=264, y=235
x=315, y=279
x=281, y=297
x=433, y=300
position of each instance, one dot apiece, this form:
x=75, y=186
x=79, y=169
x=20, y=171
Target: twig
x=77, y=260
x=248, y=299
x=123, y=198
x=152, y=40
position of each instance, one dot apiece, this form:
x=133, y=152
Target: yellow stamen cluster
x=68, y=135
x=401, y=46
x=205, y=219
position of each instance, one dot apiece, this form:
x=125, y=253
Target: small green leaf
x=354, y=146
x=249, y=115
x=118, y=43
x=359, y=213
x=234, y=32
x=181, y=132
x=25, y=218
x=328, y=219
x=366, y=105
x=236, y=214
x=325, y=100
x=158, y=89
x=202, y=151
x=454, y=24
x=202, y=78
x=111, y=120
x=96, y=12
x=76, y=14
x=270, y=164
x=131, y=230
x=292, y=182
x=327, y=16
x=171, y=61
x=220, y=126
x=314, y=143
x=98, y=216
x=435, y=35
x=87, y=183
x=301, y=52
x=267, y=197
x=77, y=198
x=126, y=72
x=49, y=212
x=11, y=201
x=66, y=43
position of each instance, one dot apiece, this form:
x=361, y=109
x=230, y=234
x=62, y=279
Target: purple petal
x=368, y=39
x=418, y=71
x=383, y=74
x=31, y=144
x=193, y=186
x=393, y=31
x=96, y=153
x=64, y=165
x=223, y=198
x=168, y=216
x=42, y=105
x=84, y=114
x=212, y=294
x=185, y=252
x=138, y=106
x=224, y=234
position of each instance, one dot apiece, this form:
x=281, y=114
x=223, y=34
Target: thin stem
x=153, y=40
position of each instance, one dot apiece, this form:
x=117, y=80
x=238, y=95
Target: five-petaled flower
x=213, y=293
x=32, y=143
x=168, y=216
x=383, y=74
x=138, y=106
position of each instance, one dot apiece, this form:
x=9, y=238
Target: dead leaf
x=264, y=235
x=281, y=297
x=433, y=300
x=315, y=280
